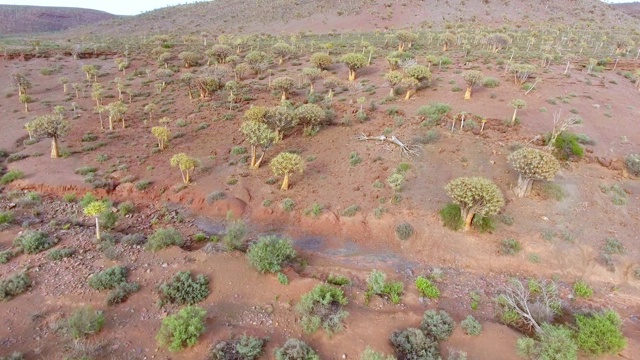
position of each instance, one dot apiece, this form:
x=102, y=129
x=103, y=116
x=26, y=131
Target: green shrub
x=434, y=112
x=85, y=170
x=108, y=219
x=109, y=278
x=351, y=211
x=295, y=349
x=121, y=293
x=315, y=209
x=83, y=322
x=354, y=159
x=567, y=145
x=288, y=205
x=216, y=196
x=269, y=253
x=557, y=342
x=14, y=286
x=490, y=82
x=437, y=324
x=601, y=333
x=33, y=242
x=59, y=254
x=87, y=199
x=283, y=279
x=370, y=354
x=234, y=239
x=164, y=238
x=632, y=161
x=377, y=285
x=613, y=246
x=11, y=176
x=243, y=348
x=183, y=329
x=510, y=246
x=582, y=289
x=404, y=231
x=451, y=216
x=427, y=288
x=14, y=356
x=483, y=223
x=133, y=239
x=126, y=208
x=413, y=344
x=338, y=280
x=7, y=255
x=183, y=289
x=471, y=326
x=323, y=307
x=6, y=217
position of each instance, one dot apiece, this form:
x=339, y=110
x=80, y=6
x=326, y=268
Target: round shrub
x=412, y=343
x=437, y=324
x=404, y=231
x=427, y=288
x=163, y=238
x=632, y=161
x=471, y=326
x=269, y=253
x=33, y=242
x=295, y=349
x=244, y=348
x=600, y=334
x=83, y=322
x=183, y=289
x=323, y=307
x=182, y=329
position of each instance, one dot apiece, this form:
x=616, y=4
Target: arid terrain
x=343, y=215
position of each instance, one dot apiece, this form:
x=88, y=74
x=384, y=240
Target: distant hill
x=324, y=16
x=632, y=9
x=19, y=19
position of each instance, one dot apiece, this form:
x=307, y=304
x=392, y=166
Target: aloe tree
x=64, y=81
x=517, y=105
x=284, y=85
x=354, y=62
x=186, y=164
x=95, y=209
x=162, y=134
x=52, y=126
x=472, y=78
x=284, y=165
x=258, y=134
x=282, y=50
x=117, y=110
x=311, y=74
x=476, y=196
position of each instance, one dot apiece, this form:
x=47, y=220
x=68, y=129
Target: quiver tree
x=22, y=83
x=256, y=113
x=396, y=58
x=497, y=42
x=354, y=62
x=122, y=64
x=284, y=85
x=26, y=100
x=150, y=109
x=207, y=84
x=120, y=87
x=117, y=110
x=52, y=126
x=282, y=51
x=97, y=93
x=472, y=78
x=165, y=76
x=220, y=52
x=311, y=116
x=187, y=80
x=447, y=39
x=64, y=81
x=418, y=75
x=475, y=196
x=321, y=60
x=394, y=78
x=240, y=70
x=517, y=104
x=258, y=134
x=405, y=39
x=76, y=88
x=91, y=71
x=521, y=72
x=532, y=164
x=95, y=209
x=164, y=58
x=332, y=83
x=162, y=134
x=284, y=165
x=311, y=75
x=257, y=60
x=186, y=164
x=281, y=119
x=189, y=58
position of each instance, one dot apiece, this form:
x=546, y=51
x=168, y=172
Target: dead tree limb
x=408, y=150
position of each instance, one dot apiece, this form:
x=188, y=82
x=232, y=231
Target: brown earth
x=243, y=301
x=18, y=19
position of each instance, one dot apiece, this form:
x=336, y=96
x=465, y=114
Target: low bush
x=632, y=161
x=7, y=255
x=109, y=278
x=471, y=326
x=582, y=289
x=323, y=307
x=108, y=220
x=6, y=217
x=404, y=231
x=490, y=82
x=14, y=356
x=164, y=238
x=510, y=246
x=451, y=216
x=269, y=253
x=133, y=239
x=437, y=324
x=33, y=242
x=288, y=205
x=370, y=354
x=14, y=286
x=83, y=322
x=11, y=176
x=413, y=344
x=338, y=280
x=377, y=285
x=567, y=146
x=182, y=329
x=126, y=208
x=434, y=112
x=234, y=239
x=59, y=254
x=121, y=293
x=143, y=184
x=243, y=348
x=183, y=289
x=601, y=333
x=427, y=288
x=295, y=349
x=216, y=196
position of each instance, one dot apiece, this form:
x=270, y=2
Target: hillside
x=17, y=19
x=632, y=9
x=285, y=17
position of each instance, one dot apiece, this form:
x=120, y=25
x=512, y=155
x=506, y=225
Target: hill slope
x=17, y=19
x=632, y=9
x=286, y=16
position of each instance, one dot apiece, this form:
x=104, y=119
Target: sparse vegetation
x=377, y=284
x=163, y=238
x=14, y=285
x=83, y=322
x=323, y=307
x=295, y=349
x=269, y=253
x=182, y=330
x=184, y=289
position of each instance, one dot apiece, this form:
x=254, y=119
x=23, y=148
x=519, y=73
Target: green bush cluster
x=115, y=280
x=323, y=307
x=164, y=238
x=7, y=255
x=451, y=216
x=83, y=322
x=14, y=286
x=404, y=231
x=338, y=280
x=33, y=242
x=600, y=333
x=471, y=326
x=437, y=324
x=243, y=348
x=377, y=285
x=370, y=354
x=59, y=254
x=182, y=330
x=11, y=176
x=234, y=239
x=427, y=288
x=269, y=253
x=632, y=161
x=183, y=289
x=296, y=349
x=582, y=289
x=412, y=343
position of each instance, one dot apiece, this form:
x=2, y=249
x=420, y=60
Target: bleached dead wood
x=407, y=149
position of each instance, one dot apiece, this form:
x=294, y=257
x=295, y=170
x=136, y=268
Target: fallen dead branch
x=407, y=149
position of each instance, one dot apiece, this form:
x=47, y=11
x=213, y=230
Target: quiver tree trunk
x=467, y=95
x=513, y=119
x=284, y=96
x=285, y=182
x=524, y=186
x=55, y=152
x=410, y=93
x=97, y=228
x=467, y=218
x=352, y=75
